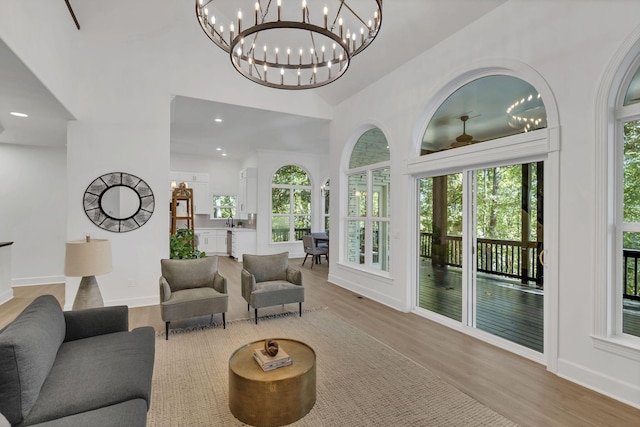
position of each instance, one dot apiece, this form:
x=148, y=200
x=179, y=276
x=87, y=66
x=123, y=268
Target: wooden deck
x=503, y=308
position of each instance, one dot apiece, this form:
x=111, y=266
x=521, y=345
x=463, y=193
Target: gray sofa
x=75, y=368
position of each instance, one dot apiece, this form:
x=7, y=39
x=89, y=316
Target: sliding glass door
x=481, y=250
x=440, y=245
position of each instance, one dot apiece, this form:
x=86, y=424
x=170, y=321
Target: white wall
x=569, y=44
x=117, y=78
x=224, y=175
x=33, y=211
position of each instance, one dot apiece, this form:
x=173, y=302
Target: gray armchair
x=190, y=288
x=268, y=280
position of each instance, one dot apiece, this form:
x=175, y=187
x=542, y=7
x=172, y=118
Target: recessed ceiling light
x=18, y=114
x=218, y=149
x=218, y=120
x=224, y=154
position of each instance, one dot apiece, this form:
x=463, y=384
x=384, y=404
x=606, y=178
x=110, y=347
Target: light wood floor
x=517, y=388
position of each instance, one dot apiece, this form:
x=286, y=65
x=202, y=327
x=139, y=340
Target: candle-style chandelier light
x=299, y=45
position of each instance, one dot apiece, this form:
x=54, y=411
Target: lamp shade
x=90, y=258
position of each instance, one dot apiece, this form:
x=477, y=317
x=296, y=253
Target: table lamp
x=87, y=259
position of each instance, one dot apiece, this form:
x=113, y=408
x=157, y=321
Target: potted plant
x=182, y=245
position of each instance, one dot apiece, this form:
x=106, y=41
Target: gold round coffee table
x=272, y=398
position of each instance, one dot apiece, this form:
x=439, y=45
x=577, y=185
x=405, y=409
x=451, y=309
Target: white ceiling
x=194, y=130
x=21, y=91
x=409, y=27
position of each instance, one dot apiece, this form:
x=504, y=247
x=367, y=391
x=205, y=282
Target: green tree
x=290, y=202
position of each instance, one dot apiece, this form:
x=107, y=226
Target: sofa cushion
x=189, y=273
x=267, y=267
x=130, y=413
x=28, y=348
x=95, y=372
x=276, y=292
x=194, y=302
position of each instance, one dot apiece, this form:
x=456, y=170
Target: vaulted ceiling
x=409, y=27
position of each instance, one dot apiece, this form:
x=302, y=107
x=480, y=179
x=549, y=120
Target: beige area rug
x=360, y=381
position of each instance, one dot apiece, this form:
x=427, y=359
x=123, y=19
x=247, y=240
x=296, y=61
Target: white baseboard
x=135, y=302
x=625, y=392
x=6, y=296
x=34, y=281
x=129, y=302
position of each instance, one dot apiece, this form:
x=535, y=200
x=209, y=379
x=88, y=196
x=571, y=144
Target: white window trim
x=368, y=220
x=516, y=148
x=291, y=214
x=607, y=322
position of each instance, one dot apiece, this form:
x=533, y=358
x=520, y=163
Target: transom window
x=290, y=204
x=369, y=184
x=484, y=109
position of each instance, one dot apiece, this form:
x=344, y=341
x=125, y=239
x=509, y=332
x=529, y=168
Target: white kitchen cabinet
x=248, y=192
x=212, y=242
x=202, y=203
x=199, y=181
x=243, y=242
x=221, y=241
x=203, y=240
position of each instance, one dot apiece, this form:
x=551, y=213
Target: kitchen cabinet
x=248, y=193
x=212, y=241
x=202, y=203
x=199, y=181
x=242, y=242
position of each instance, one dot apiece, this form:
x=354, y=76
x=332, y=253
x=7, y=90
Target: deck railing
x=282, y=234
x=631, y=273
x=509, y=258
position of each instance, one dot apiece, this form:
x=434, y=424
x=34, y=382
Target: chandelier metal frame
x=277, y=69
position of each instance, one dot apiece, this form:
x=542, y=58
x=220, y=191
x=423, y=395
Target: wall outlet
x=130, y=283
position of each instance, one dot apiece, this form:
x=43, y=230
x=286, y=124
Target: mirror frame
x=93, y=202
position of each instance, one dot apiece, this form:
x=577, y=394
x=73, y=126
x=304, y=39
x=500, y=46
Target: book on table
x=267, y=363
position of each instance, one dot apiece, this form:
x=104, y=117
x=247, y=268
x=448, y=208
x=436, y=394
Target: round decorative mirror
x=118, y=202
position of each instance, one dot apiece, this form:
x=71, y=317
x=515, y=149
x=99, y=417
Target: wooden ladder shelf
x=185, y=195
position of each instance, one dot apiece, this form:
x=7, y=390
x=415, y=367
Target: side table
x=272, y=398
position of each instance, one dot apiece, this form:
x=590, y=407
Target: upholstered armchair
x=190, y=288
x=268, y=280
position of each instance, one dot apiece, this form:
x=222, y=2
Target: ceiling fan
x=464, y=138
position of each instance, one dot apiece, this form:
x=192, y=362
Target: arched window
x=368, y=203
x=484, y=109
x=626, y=319
x=290, y=204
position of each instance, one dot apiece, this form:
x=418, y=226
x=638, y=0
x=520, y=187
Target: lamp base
x=88, y=295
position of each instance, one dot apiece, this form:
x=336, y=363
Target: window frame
x=368, y=219
x=325, y=193
x=291, y=214
x=623, y=114
x=609, y=130
x=233, y=207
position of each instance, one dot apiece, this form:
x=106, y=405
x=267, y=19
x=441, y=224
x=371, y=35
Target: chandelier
x=300, y=45
x=527, y=114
